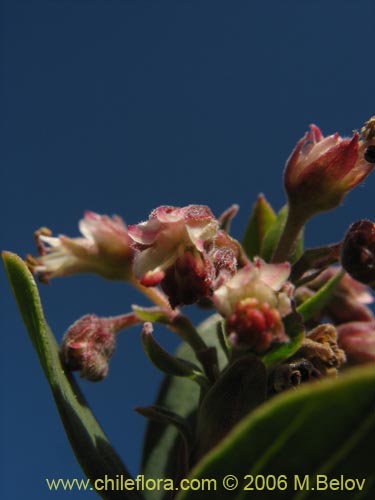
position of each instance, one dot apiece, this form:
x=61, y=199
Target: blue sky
x=121, y=106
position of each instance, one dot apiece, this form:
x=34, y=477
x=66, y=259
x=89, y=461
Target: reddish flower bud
x=321, y=170
x=255, y=324
x=90, y=342
x=358, y=252
x=357, y=339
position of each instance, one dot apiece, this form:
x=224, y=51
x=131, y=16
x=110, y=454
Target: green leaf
x=169, y=364
x=317, y=259
x=181, y=396
x=223, y=339
x=261, y=219
x=90, y=445
x=241, y=387
x=323, y=428
x=165, y=416
x=296, y=332
x=312, y=306
x=177, y=322
x=273, y=236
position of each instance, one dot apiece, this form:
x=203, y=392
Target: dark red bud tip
x=358, y=251
x=370, y=154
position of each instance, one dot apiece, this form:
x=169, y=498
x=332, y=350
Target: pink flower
x=357, y=339
x=105, y=249
x=164, y=237
x=321, y=170
x=183, y=250
x=253, y=302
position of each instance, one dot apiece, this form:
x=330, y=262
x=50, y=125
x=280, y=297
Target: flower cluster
x=280, y=315
x=184, y=255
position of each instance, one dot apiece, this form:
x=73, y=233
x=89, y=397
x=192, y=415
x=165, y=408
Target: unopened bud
x=89, y=343
x=322, y=170
x=358, y=252
x=357, y=339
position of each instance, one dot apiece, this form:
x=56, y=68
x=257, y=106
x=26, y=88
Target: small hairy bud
x=89, y=343
x=87, y=346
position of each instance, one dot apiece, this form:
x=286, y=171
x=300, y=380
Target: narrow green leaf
x=312, y=306
x=90, y=445
x=177, y=322
x=180, y=396
x=171, y=365
x=273, y=236
x=296, y=332
x=317, y=259
x=165, y=416
x=223, y=338
x=261, y=219
x=325, y=428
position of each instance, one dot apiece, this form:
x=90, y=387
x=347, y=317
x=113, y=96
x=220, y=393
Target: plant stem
x=182, y=326
x=205, y=354
x=186, y=331
x=118, y=323
x=152, y=293
x=293, y=226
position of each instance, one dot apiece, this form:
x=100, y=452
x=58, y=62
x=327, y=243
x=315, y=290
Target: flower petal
x=153, y=259
x=274, y=275
x=145, y=233
x=199, y=234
